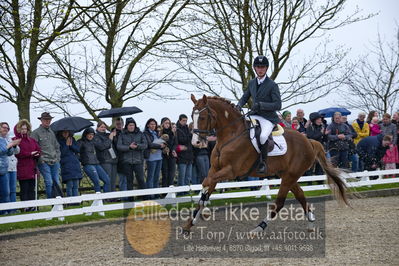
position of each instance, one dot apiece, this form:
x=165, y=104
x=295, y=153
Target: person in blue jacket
x=6, y=149
x=71, y=173
x=372, y=149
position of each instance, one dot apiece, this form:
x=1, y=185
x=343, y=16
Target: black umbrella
x=115, y=112
x=73, y=123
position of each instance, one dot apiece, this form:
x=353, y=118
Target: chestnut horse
x=234, y=156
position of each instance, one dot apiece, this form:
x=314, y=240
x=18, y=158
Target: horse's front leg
x=205, y=194
x=208, y=186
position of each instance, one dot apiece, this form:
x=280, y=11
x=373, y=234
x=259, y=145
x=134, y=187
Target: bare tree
x=118, y=61
x=28, y=29
x=235, y=32
x=374, y=82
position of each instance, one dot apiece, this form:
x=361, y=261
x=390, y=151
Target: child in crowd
x=391, y=158
x=375, y=128
x=295, y=123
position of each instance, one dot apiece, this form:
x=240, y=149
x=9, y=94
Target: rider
x=266, y=101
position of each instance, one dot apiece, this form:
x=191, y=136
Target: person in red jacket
x=27, y=159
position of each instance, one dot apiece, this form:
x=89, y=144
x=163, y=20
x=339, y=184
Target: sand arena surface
x=368, y=234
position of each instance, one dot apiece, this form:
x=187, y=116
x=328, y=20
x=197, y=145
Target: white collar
x=261, y=80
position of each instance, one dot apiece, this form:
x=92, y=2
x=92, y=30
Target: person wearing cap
x=286, y=119
x=266, y=100
x=316, y=131
x=131, y=145
x=49, y=160
x=91, y=164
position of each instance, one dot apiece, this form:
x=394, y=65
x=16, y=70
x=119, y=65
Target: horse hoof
x=311, y=227
x=186, y=232
x=206, y=213
x=255, y=232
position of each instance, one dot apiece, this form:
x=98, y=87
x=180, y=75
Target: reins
x=210, y=131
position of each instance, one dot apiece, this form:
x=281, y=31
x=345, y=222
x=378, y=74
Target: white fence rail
x=353, y=180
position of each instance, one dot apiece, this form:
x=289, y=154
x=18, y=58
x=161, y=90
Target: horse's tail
x=333, y=174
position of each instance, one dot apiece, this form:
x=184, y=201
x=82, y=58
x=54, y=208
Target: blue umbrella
x=329, y=112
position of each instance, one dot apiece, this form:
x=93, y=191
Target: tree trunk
x=24, y=108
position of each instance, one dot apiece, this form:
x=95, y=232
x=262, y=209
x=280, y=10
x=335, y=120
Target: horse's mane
x=223, y=100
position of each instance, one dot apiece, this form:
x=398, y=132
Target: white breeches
x=266, y=127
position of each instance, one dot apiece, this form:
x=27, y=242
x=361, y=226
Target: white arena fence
x=358, y=179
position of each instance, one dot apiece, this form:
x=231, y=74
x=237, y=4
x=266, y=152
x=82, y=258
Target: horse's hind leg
x=277, y=206
x=300, y=196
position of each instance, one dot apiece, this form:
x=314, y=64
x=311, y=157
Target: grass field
x=123, y=213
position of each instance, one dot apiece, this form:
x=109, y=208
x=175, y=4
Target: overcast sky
x=356, y=36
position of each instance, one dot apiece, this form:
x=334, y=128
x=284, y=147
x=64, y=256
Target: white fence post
x=171, y=195
x=266, y=188
x=365, y=178
x=380, y=176
x=57, y=208
x=96, y=203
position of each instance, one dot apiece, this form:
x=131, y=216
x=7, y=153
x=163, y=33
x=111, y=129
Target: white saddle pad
x=279, y=149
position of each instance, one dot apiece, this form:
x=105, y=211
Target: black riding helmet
x=261, y=60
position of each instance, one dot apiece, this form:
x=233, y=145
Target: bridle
x=209, y=131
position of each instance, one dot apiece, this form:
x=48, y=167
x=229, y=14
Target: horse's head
x=204, y=119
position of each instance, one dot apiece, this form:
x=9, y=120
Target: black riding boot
x=262, y=166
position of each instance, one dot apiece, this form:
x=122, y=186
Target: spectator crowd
x=112, y=160
x=367, y=144
x=126, y=155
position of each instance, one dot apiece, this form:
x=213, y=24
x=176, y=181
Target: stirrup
x=262, y=168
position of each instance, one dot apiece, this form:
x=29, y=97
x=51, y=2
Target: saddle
x=277, y=131
x=276, y=143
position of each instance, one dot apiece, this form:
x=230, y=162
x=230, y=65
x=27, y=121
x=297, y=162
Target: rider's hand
x=256, y=107
x=252, y=112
